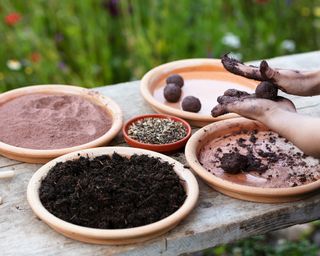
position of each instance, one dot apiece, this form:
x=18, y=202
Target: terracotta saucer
x=170, y=147
x=43, y=156
x=238, y=188
x=205, y=79
x=115, y=236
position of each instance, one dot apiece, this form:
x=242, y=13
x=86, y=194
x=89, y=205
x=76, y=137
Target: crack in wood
x=10, y=165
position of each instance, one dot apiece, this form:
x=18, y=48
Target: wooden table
x=218, y=219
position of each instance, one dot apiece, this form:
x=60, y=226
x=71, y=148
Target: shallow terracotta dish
x=115, y=236
x=203, y=78
x=234, y=189
x=156, y=147
x=43, y=156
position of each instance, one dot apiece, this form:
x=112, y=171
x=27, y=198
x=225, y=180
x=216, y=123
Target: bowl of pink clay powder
x=39, y=123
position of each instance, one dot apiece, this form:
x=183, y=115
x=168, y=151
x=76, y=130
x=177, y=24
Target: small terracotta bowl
x=170, y=147
x=240, y=191
x=113, y=236
x=43, y=156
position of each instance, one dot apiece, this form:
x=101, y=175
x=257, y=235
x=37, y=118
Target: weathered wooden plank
x=127, y=95
x=217, y=219
x=6, y=162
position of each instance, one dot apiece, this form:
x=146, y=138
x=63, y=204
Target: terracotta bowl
x=43, y=156
x=115, y=236
x=170, y=147
x=240, y=191
x=204, y=78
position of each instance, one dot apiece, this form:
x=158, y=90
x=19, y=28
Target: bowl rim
x=168, y=68
x=95, y=97
x=191, y=188
x=192, y=159
x=156, y=146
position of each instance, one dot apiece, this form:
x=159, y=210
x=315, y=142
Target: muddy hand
x=248, y=105
x=303, y=83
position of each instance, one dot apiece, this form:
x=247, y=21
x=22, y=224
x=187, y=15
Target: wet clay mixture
x=112, y=192
x=51, y=121
x=261, y=159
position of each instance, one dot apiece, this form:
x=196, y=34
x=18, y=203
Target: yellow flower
x=316, y=11
x=14, y=64
x=28, y=70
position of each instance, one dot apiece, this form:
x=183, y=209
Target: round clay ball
x=175, y=79
x=191, y=104
x=172, y=93
x=266, y=90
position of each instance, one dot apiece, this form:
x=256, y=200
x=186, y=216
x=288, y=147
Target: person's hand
x=244, y=104
x=303, y=83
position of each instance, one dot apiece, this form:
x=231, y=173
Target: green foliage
x=259, y=246
x=96, y=42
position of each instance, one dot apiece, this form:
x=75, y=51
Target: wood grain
x=217, y=219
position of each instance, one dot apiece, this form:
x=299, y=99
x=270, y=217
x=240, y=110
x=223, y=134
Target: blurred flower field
x=98, y=42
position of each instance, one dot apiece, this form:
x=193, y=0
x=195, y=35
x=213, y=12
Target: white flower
x=288, y=45
x=14, y=64
x=231, y=40
x=235, y=55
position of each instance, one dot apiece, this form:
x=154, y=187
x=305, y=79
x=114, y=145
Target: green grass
x=260, y=246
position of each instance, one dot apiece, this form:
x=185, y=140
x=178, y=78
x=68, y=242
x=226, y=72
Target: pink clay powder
x=51, y=121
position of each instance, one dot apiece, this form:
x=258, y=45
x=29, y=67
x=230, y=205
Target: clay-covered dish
x=44, y=155
x=169, y=147
x=286, y=174
x=113, y=236
x=205, y=79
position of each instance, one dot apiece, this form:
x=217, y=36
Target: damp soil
x=112, y=192
x=235, y=162
x=259, y=158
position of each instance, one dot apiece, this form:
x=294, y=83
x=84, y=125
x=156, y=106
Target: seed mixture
x=112, y=192
x=157, y=131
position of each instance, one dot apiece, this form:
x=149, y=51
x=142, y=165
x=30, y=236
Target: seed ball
x=172, y=93
x=266, y=90
x=175, y=79
x=191, y=104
